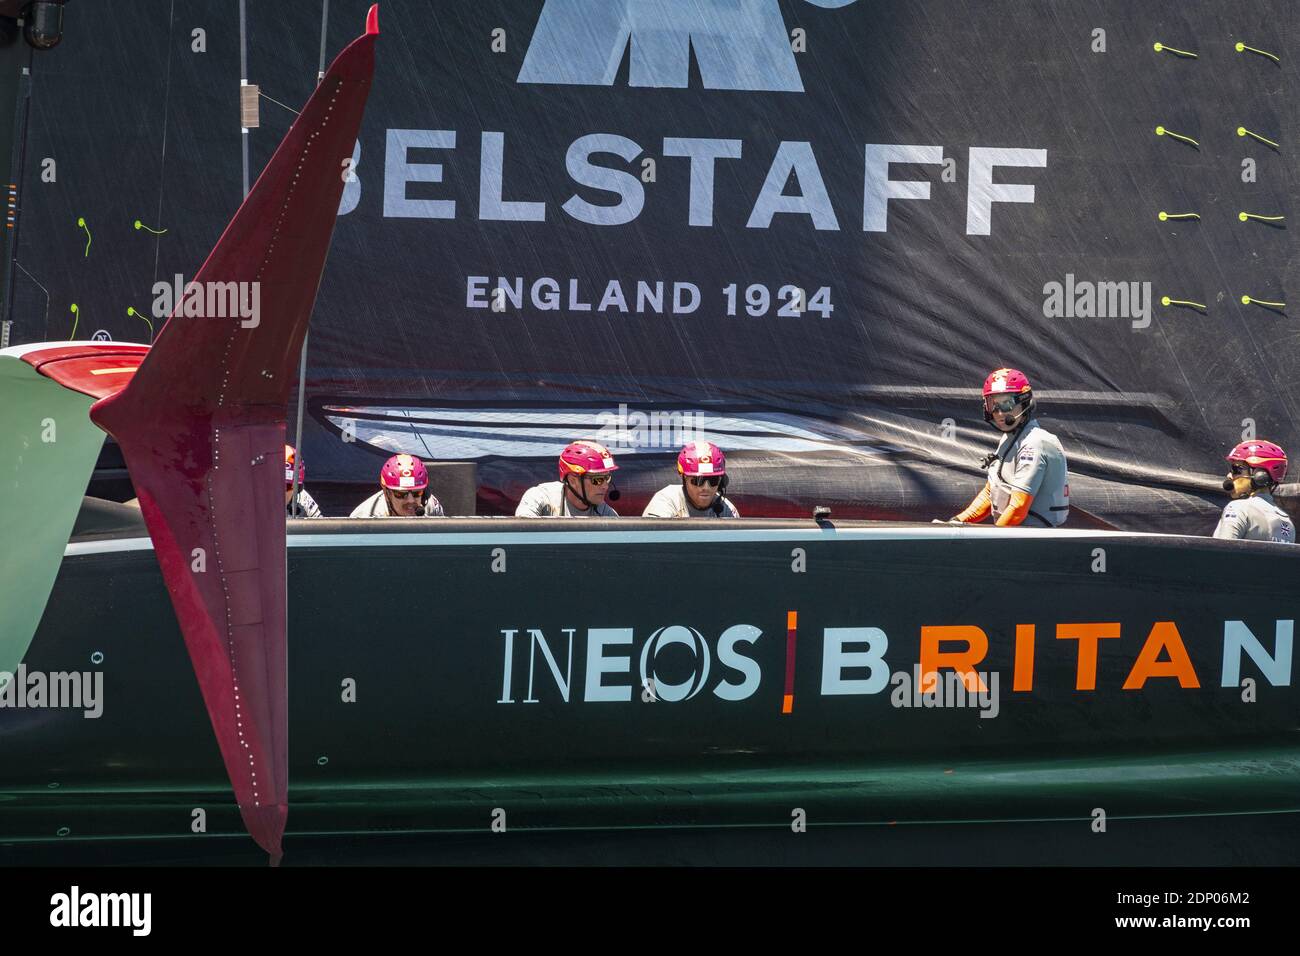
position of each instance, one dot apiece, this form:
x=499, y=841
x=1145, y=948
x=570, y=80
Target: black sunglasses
x=711, y=482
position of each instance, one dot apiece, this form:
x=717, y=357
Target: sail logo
x=738, y=44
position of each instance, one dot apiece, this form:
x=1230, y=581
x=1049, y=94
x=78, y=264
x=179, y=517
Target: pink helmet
x=290, y=457
x=586, y=458
x=701, y=458
x=1008, y=381
x=1004, y=380
x=404, y=472
x=1261, y=454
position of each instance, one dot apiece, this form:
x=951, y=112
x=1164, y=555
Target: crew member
x=1028, y=480
x=703, y=470
x=586, y=473
x=1257, y=468
x=307, y=507
x=403, y=492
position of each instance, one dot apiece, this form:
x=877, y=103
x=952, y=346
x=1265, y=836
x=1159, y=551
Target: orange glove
x=978, y=509
x=1017, y=509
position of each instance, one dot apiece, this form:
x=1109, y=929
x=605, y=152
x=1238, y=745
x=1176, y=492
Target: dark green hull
x=444, y=731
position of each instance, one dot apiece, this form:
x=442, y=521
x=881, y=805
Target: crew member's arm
x=978, y=509
x=369, y=507
x=533, y=504
x=661, y=505
x=1017, y=509
x=1233, y=523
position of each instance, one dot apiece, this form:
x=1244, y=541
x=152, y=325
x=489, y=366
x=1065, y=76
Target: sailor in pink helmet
x=699, y=494
x=1257, y=468
x=586, y=473
x=403, y=492
x=1028, y=478
x=307, y=507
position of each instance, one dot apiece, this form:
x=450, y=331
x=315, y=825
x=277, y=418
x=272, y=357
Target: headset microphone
x=1260, y=480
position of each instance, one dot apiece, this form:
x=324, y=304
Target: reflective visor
x=1004, y=403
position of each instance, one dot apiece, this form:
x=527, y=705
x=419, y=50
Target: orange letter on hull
x=1024, y=673
x=963, y=662
x=1087, y=635
x=1163, y=634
